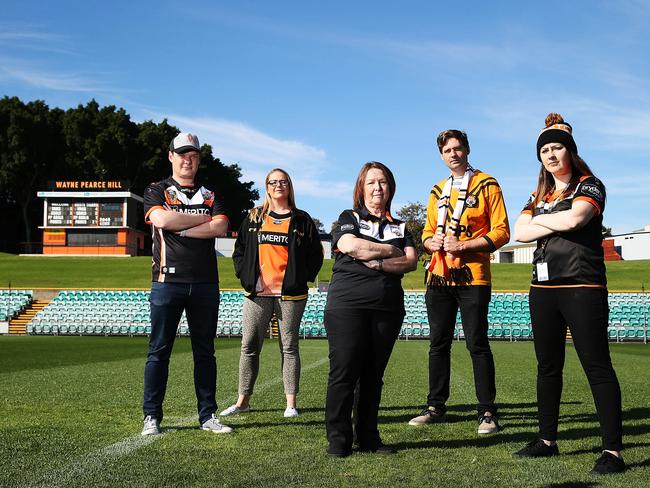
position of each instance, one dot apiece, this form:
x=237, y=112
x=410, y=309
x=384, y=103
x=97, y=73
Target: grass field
x=70, y=416
x=93, y=272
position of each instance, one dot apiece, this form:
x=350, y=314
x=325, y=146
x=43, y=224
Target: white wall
x=633, y=246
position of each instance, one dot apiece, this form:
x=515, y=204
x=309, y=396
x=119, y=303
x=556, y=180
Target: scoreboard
x=73, y=213
x=91, y=218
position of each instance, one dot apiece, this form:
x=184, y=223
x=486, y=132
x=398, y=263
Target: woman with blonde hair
x=276, y=253
x=569, y=289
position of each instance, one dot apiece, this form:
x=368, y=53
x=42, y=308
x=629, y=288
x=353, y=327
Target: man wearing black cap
x=185, y=218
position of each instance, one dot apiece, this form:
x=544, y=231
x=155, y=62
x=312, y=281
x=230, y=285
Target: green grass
x=70, y=415
x=93, y=272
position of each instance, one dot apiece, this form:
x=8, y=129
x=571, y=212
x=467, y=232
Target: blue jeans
x=201, y=305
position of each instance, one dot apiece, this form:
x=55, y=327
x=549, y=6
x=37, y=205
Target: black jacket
x=304, y=262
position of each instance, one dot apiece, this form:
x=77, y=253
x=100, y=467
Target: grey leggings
x=257, y=315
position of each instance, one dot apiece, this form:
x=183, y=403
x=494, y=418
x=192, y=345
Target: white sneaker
x=290, y=412
x=234, y=409
x=213, y=425
x=151, y=426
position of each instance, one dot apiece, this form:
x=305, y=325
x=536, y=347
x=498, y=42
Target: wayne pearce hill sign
x=88, y=185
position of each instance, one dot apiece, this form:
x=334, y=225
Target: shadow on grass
x=573, y=433
x=462, y=413
x=45, y=352
x=571, y=484
x=642, y=464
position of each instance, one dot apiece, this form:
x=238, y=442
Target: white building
x=632, y=246
x=635, y=245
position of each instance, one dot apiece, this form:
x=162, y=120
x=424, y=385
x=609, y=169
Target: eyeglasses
x=275, y=183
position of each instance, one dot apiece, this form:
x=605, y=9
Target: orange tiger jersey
x=484, y=216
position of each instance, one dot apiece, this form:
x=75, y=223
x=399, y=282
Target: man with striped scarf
x=466, y=221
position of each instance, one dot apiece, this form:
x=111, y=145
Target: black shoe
x=607, y=463
x=380, y=449
x=338, y=452
x=537, y=448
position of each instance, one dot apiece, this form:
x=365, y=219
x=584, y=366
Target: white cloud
x=52, y=81
x=257, y=153
x=33, y=38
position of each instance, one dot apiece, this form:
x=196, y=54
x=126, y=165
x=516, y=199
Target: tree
x=90, y=142
x=606, y=231
x=30, y=155
x=238, y=196
x=100, y=143
x=415, y=216
x=319, y=225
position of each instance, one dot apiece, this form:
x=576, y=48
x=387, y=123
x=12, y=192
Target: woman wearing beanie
x=569, y=289
x=276, y=253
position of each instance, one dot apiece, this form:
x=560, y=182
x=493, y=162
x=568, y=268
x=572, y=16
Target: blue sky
x=321, y=87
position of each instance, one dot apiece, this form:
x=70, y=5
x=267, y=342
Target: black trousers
x=360, y=344
x=586, y=312
x=442, y=305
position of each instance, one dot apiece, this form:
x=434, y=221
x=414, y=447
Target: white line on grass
x=95, y=460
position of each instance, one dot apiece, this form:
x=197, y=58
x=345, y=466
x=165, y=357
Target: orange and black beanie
x=556, y=130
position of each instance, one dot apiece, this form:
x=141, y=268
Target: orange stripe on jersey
x=590, y=201
x=163, y=256
x=273, y=250
x=568, y=286
x=146, y=217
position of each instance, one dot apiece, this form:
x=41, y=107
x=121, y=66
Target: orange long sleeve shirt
x=484, y=216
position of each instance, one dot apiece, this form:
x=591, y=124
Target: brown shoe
x=429, y=415
x=487, y=424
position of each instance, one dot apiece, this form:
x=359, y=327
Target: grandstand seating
x=123, y=312
x=12, y=302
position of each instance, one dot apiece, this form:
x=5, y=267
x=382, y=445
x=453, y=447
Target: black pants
x=360, y=344
x=442, y=306
x=586, y=312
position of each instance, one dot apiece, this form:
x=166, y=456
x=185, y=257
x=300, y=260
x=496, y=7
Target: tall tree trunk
x=26, y=222
x=24, y=203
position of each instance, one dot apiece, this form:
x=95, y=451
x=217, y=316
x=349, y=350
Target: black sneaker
x=338, y=452
x=429, y=415
x=537, y=448
x=607, y=463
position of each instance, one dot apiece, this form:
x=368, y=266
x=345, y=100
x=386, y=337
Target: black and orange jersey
x=354, y=284
x=484, y=216
x=273, y=252
x=573, y=258
x=179, y=259
x=304, y=254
